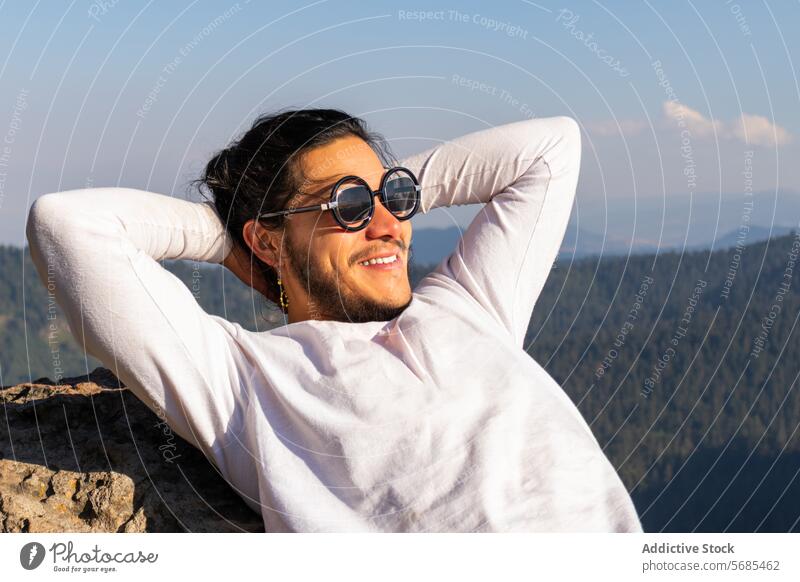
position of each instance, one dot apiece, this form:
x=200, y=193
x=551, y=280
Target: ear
x=263, y=242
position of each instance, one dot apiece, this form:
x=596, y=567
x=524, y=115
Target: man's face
x=325, y=271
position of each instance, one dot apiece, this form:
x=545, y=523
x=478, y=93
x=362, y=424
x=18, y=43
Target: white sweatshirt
x=435, y=421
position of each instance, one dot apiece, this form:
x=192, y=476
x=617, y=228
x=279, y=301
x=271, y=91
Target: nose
x=383, y=223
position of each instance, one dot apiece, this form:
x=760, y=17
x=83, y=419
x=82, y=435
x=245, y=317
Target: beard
x=327, y=299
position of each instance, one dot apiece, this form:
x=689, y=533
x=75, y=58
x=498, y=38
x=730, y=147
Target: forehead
x=349, y=155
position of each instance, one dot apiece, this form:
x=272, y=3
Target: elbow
x=50, y=220
x=43, y=217
x=41, y=229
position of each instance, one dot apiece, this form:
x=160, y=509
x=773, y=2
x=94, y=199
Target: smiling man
x=374, y=408
x=333, y=273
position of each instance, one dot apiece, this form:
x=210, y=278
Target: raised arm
x=526, y=172
x=99, y=248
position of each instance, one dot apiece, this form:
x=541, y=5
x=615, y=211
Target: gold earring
x=283, y=299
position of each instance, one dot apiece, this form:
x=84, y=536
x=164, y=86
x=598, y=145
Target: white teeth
x=390, y=259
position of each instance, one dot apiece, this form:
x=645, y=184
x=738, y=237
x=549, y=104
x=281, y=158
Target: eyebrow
x=323, y=191
x=331, y=180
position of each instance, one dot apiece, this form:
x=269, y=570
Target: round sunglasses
x=353, y=201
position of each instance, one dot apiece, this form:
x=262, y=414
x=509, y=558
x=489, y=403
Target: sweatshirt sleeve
x=526, y=174
x=97, y=250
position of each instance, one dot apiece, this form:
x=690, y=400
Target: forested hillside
x=684, y=365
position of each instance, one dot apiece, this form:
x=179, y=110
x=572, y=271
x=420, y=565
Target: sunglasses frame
x=379, y=192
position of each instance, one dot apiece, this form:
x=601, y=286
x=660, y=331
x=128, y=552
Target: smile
x=382, y=263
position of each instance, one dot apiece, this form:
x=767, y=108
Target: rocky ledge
x=85, y=455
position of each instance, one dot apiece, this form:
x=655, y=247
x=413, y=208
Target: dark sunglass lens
x=401, y=194
x=354, y=203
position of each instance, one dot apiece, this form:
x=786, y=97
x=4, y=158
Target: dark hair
x=260, y=172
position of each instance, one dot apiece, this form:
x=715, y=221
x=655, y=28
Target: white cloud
x=753, y=129
x=758, y=130
x=694, y=120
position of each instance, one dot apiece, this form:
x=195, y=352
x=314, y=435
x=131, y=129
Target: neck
x=303, y=310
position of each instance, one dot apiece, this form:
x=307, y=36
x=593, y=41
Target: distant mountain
x=755, y=234
x=667, y=221
x=579, y=243
x=431, y=245
x=647, y=224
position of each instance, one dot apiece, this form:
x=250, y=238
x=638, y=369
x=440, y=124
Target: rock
x=83, y=456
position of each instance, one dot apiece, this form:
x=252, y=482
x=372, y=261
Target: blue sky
x=140, y=94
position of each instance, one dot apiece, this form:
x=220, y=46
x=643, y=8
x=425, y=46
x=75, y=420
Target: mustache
x=378, y=250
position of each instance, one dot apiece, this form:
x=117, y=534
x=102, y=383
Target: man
x=373, y=408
